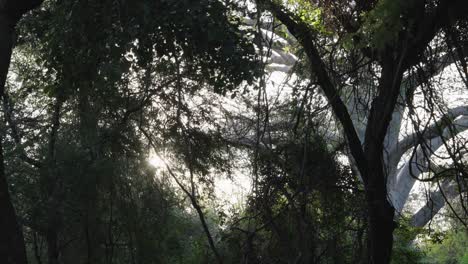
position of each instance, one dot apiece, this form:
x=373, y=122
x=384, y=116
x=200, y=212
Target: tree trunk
x=380, y=211
x=12, y=250
x=381, y=225
x=54, y=181
x=380, y=232
x=52, y=246
x=6, y=46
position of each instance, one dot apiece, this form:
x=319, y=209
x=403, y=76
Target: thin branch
x=305, y=36
x=8, y=110
x=433, y=131
x=189, y=194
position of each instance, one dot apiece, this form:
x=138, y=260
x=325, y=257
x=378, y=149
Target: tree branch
x=190, y=195
x=418, y=163
x=305, y=36
x=8, y=111
x=433, y=131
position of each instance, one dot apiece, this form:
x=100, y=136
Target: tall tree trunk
x=89, y=137
x=380, y=218
x=52, y=245
x=381, y=228
x=12, y=249
x=54, y=182
x=381, y=212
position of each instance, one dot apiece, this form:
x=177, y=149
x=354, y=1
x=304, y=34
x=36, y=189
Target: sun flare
x=156, y=161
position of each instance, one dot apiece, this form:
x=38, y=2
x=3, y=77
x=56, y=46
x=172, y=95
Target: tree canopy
x=155, y=131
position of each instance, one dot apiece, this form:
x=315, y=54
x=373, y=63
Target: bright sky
x=229, y=191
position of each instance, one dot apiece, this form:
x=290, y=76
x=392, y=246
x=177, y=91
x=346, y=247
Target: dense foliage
x=98, y=89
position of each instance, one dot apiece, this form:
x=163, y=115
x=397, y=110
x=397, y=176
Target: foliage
x=115, y=38
x=292, y=217
x=97, y=85
x=405, y=251
x=96, y=69
x=310, y=14
x=383, y=23
x=450, y=249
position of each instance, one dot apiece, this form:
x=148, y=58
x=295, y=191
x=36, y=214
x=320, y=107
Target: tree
x=393, y=36
x=434, y=128
x=97, y=75
x=96, y=86
x=11, y=241
x=306, y=208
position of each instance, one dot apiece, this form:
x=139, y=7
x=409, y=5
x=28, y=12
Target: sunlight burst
x=156, y=161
